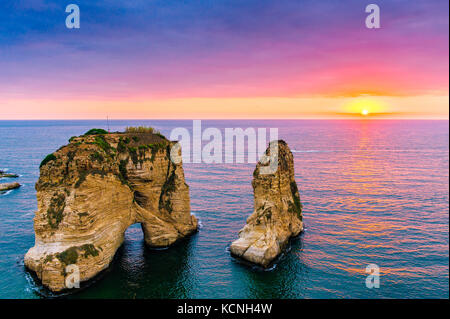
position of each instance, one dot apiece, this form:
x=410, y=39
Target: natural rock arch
x=90, y=191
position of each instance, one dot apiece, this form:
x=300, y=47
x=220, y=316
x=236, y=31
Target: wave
x=4, y=193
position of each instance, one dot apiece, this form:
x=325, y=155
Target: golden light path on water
x=373, y=184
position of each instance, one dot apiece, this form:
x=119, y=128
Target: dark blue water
x=373, y=191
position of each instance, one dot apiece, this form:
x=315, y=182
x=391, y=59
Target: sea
x=375, y=194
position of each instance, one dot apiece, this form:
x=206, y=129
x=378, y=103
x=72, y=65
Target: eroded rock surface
x=277, y=212
x=91, y=190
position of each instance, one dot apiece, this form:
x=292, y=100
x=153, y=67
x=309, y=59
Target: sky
x=223, y=59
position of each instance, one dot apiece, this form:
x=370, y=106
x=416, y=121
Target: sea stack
x=277, y=212
x=91, y=190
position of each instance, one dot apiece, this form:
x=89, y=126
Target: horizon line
x=364, y=118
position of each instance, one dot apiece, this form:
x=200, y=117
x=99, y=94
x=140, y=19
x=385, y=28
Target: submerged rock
x=90, y=191
x=8, y=186
x=277, y=212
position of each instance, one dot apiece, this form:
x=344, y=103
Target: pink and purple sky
x=223, y=59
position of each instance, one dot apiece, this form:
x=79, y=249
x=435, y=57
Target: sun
x=364, y=106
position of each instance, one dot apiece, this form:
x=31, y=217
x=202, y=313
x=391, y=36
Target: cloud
x=222, y=48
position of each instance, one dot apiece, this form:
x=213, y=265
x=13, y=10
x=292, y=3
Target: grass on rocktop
x=139, y=129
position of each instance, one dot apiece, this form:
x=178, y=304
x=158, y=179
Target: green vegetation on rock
x=168, y=187
x=81, y=178
x=70, y=255
x=56, y=209
x=48, y=258
x=84, y=173
x=123, y=171
x=89, y=250
x=160, y=135
x=133, y=154
x=48, y=158
x=121, y=147
x=102, y=143
x=156, y=147
x=96, y=131
x=96, y=157
x=297, y=204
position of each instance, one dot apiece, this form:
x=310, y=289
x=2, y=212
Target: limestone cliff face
x=90, y=191
x=277, y=212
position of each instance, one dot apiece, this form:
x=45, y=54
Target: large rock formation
x=90, y=191
x=277, y=213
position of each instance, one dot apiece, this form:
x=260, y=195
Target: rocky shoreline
x=8, y=186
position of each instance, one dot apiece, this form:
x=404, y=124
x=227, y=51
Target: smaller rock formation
x=277, y=213
x=8, y=186
x=7, y=175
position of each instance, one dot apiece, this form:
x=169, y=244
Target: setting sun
x=365, y=106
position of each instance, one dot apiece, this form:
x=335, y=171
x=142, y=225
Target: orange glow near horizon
x=228, y=108
x=219, y=60
x=366, y=106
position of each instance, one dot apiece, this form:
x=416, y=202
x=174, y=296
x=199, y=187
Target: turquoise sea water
x=373, y=191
